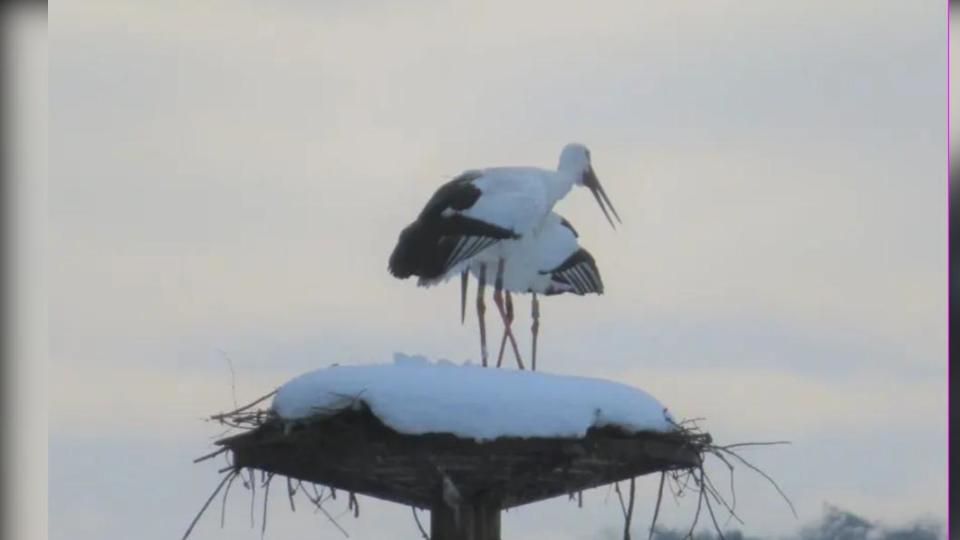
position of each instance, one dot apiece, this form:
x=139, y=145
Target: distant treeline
x=836, y=524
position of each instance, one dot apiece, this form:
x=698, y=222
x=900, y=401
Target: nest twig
x=702, y=484
x=248, y=417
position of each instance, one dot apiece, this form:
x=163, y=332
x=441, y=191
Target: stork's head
x=575, y=160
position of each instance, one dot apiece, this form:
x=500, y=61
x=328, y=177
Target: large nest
x=351, y=450
x=354, y=451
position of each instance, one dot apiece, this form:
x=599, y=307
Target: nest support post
x=470, y=520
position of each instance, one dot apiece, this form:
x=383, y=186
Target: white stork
x=475, y=220
x=550, y=262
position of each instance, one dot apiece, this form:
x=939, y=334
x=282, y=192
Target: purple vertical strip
x=949, y=271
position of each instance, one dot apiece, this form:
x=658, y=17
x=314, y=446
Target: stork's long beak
x=591, y=181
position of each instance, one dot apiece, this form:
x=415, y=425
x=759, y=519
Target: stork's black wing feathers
x=441, y=237
x=463, y=237
x=567, y=224
x=457, y=194
x=580, y=272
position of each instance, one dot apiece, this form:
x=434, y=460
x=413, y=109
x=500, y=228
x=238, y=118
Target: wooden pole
x=469, y=521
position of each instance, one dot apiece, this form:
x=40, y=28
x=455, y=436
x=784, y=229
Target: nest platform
x=465, y=483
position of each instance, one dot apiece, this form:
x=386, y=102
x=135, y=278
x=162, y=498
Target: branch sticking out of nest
x=416, y=518
x=244, y=417
x=656, y=510
x=203, y=508
x=707, y=492
x=233, y=473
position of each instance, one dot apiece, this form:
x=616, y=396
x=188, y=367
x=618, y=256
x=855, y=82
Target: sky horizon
x=229, y=178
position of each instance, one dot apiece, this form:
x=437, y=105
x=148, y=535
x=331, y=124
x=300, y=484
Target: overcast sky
x=230, y=178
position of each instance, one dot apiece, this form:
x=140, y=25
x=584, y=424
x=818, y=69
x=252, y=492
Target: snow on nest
x=413, y=395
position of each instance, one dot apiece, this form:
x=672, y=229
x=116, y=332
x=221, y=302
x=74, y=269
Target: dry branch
x=223, y=504
x=416, y=518
x=291, y=491
x=266, y=496
x=211, y=455
x=763, y=474
x=629, y=514
x=205, y=505
x=656, y=509
x=713, y=518
x=222, y=417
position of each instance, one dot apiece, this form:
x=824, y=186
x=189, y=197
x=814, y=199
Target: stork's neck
x=560, y=183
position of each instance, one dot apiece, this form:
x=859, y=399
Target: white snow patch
x=414, y=395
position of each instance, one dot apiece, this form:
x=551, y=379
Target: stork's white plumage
x=477, y=219
x=548, y=262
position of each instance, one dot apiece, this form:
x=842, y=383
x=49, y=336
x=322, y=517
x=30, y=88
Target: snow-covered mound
x=415, y=396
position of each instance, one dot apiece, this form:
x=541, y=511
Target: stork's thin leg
x=503, y=340
x=481, y=285
x=503, y=345
x=535, y=329
x=463, y=295
x=498, y=300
